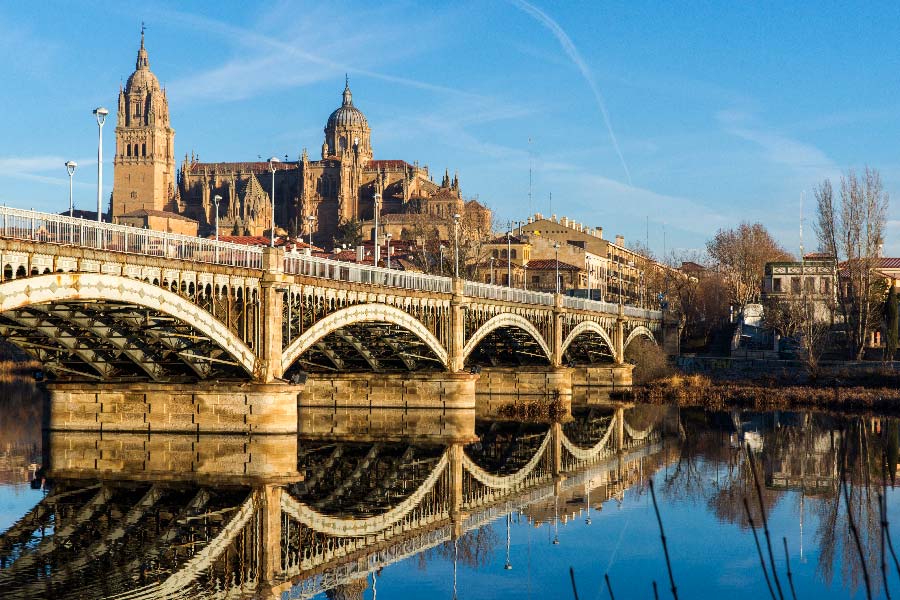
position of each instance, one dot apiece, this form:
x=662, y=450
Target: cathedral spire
x=143, y=60
x=348, y=97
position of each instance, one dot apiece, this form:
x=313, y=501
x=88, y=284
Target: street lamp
x=556, y=248
x=442, y=248
x=509, y=256
x=70, y=167
x=456, y=245
x=100, y=113
x=273, y=166
x=388, y=250
x=587, y=267
x=216, y=200
x=377, y=209
x=310, y=219
x=492, y=270
x=525, y=276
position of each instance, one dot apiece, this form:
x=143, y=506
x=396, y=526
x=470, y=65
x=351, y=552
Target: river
x=484, y=504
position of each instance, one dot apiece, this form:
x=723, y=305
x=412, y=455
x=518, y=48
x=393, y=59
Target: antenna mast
x=530, y=178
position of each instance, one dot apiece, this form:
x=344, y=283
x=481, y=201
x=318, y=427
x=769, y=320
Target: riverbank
x=765, y=394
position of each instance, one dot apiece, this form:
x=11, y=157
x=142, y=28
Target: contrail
x=569, y=47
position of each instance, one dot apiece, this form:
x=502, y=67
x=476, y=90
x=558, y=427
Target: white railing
x=592, y=305
x=47, y=228
x=610, y=307
x=50, y=228
x=324, y=268
x=506, y=294
x=643, y=313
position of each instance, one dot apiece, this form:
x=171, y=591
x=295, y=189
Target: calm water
x=502, y=512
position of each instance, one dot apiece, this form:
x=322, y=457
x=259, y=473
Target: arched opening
x=7, y=272
x=507, y=340
x=21, y=272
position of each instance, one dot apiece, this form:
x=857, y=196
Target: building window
x=810, y=285
x=795, y=285
x=495, y=253
x=535, y=280
x=512, y=254
x=144, y=150
x=825, y=285
x=776, y=284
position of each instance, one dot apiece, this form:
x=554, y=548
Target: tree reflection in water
x=803, y=453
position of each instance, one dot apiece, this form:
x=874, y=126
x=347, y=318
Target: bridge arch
x=362, y=313
x=58, y=288
x=506, y=320
x=588, y=327
x=638, y=331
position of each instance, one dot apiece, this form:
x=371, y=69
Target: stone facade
x=341, y=186
x=144, y=162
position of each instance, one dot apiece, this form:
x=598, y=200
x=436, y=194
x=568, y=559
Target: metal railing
x=507, y=294
x=48, y=228
x=610, y=307
x=335, y=270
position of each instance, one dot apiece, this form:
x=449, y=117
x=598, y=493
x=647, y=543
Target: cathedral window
x=129, y=149
x=143, y=149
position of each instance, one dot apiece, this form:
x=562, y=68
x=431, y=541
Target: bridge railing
x=507, y=294
x=335, y=270
x=610, y=307
x=48, y=228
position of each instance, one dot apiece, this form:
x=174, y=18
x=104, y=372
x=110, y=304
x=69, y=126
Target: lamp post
x=442, y=247
x=556, y=248
x=492, y=270
x=631, y=265
x=70, y=167
x=509, y=255
x=216, y=200
x=508, y=565
x=273, y=166
x=100, y=113
x=310, y=219
x=377, y=210
x=587, y=267
x=456, y=245
x=388, y=249
x=525, y=276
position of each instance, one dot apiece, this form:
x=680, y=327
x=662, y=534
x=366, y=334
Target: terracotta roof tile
x=543, y=264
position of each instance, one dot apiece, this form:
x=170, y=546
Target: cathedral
x=342, y=186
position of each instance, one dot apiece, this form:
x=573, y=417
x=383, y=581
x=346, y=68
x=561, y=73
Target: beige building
x=615, y=270
x=341, y=186
x=144, y=192
x=809, y=279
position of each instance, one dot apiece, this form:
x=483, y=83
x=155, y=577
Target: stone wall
x=164, y=456
x=197, y=408
x=390, y=390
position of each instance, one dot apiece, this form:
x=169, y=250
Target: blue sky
x=693, y=117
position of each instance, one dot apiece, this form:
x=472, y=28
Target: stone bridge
x=109, y=304
x=352, y=509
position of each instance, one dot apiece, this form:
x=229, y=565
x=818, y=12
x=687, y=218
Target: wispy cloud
x=44, y=169
x=274, y=63
x=572, y=52
x=781, y=149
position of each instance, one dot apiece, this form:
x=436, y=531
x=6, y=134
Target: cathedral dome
x=347, y=115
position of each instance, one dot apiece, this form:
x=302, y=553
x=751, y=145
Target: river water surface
x=378, y=510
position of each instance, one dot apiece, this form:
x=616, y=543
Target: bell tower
x=144, y=164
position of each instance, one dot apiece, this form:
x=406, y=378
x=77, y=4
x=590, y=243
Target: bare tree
x=853, y=233
x=741, y=255
x=797, y=318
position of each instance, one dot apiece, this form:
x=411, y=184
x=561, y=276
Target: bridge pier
x=175, y=408
x=447, y=391
x=534, y=392
x=269, y=366
x=603, y=377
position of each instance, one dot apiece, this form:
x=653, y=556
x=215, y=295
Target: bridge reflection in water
x=206, y=516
